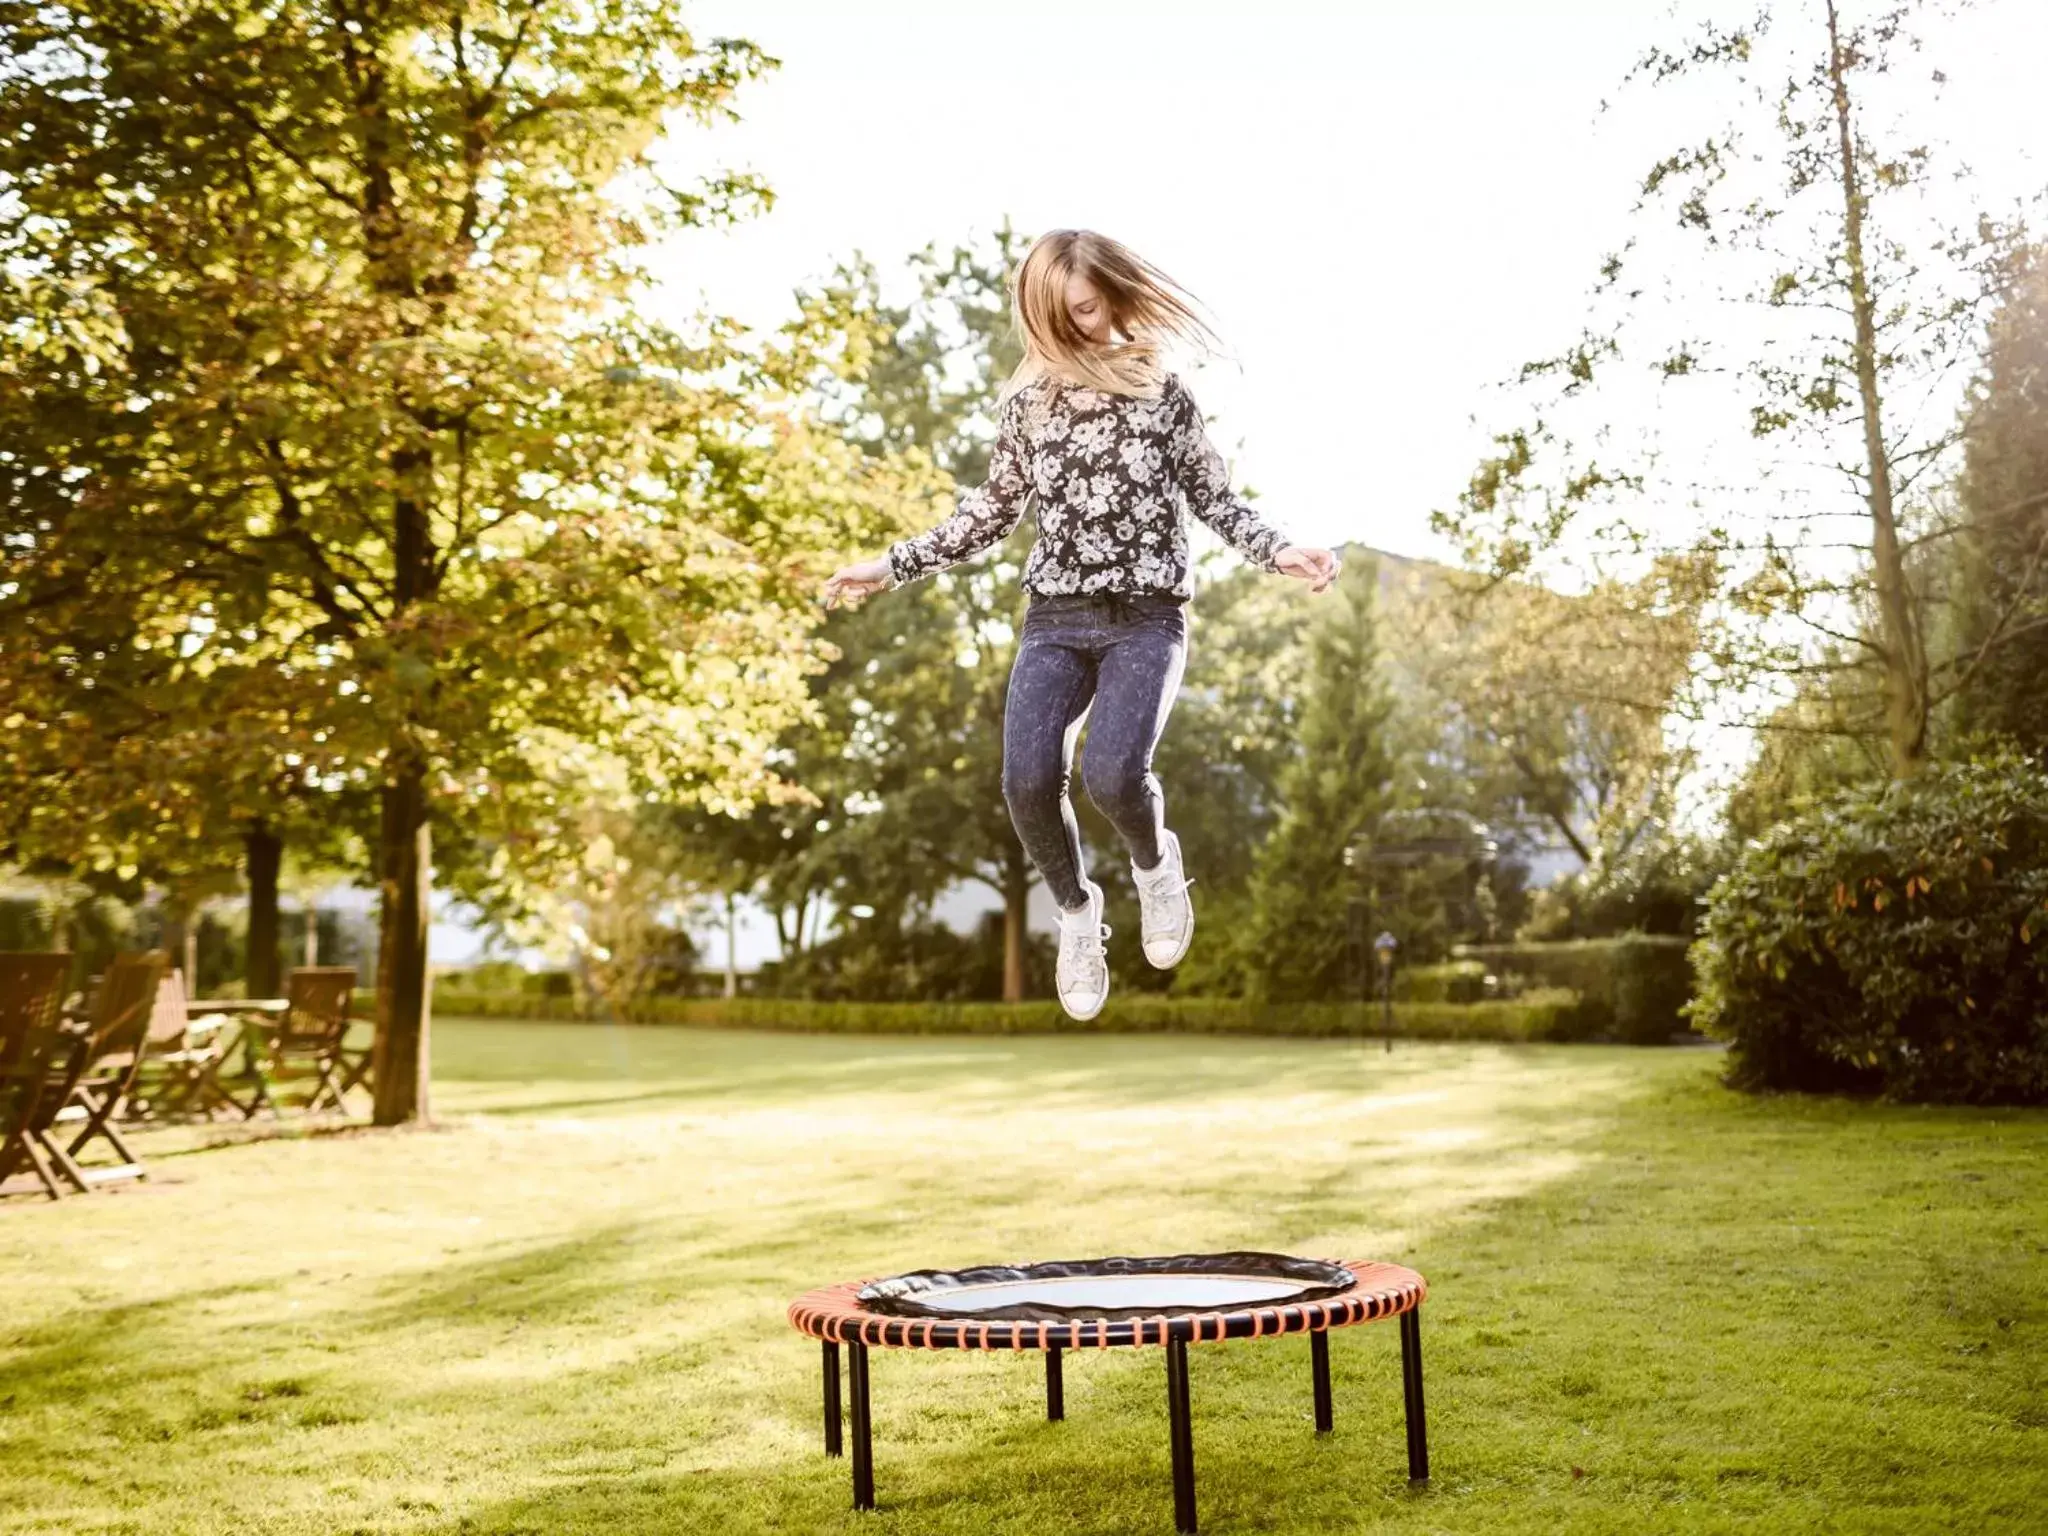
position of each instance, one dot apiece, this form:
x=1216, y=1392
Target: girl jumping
x=1113, y=449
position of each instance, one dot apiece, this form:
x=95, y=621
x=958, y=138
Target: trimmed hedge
x=1633, y=987
x=1543, y=1015
x=1452, y=981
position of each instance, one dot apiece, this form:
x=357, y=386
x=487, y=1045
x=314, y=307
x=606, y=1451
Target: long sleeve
x=984, y=516
x=1205, y=481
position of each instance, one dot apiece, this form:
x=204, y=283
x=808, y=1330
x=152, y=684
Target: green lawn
x=1656, y=1306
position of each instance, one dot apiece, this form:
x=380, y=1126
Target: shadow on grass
x=722, y=1069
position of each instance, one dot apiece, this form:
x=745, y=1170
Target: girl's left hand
x=1317, y=567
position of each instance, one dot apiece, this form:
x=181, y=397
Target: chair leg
x=1055, y=1386
x=1181, y=1435
x=326, y=1091
x=832, y=1445
x=113, y=1137
x=41, y=1168
x=95, y=1116
x=1411, y=1395
x=259, y=1098
x=1319, y=1374
x=41, y=1140
x=100, y=1123
x=200, y=1093
x=863, y=1443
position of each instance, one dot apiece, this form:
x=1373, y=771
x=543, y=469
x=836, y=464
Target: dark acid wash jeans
x=1116, y=663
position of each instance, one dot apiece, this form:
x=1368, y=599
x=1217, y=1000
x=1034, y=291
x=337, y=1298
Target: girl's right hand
x=854, y=582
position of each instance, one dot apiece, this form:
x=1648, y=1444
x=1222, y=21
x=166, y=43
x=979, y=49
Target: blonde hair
x=1147, y=309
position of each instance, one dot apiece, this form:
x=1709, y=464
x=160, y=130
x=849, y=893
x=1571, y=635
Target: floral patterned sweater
x=1112, y=475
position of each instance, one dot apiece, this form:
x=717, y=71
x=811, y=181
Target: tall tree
x=1836, y=303
x=330, y=310
x=920, y=690
x=2000, y=568
x=1332, y=794
x=1552, y=708
x=148, y=737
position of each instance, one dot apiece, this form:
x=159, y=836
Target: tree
x=2001, y=562
x=147, y=741
x=623, y=907
x=917, y=697
x=1808, y=751
x=1332, y=793
x=1841, y=304
x=358, y=356
x=1550, y=712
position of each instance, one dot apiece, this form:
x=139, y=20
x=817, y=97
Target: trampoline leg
x=1181, y=1432
x=1411, y=1395
x=831, y=1398
x=1319, y=1372
x=863, y=1445
x=1055, y=1386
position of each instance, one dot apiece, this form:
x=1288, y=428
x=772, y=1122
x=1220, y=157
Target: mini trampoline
x=1111, y=1304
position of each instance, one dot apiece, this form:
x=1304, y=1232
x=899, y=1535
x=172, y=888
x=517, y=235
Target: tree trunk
x=404, y=993
x=1904, y=655
x=181, y=941
x=263, y=855
x=312, y=933
x=732, y=944
x=1016, y=907
x=177, y=923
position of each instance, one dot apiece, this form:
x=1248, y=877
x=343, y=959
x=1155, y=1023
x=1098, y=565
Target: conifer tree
x=1333, y=792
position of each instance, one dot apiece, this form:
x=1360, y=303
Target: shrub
x=1892, y=938
x=875, y=962
x=1546, y=1015
x=1633, y=988
x=1657, y=887
x=1451, y=981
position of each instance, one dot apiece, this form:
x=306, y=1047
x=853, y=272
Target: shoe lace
x=1078, y=941
x=1161, y=881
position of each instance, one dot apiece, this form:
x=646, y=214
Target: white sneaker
x=1084, y=968
x=1169, y=917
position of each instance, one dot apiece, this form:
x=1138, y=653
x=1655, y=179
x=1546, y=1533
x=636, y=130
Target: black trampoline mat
x=1095, y=1293
x=1108, y=1288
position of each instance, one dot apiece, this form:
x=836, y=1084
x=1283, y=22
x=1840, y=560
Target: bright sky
x=1388, y=205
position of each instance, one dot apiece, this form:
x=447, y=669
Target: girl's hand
x=854, y=582
x=1317, y=567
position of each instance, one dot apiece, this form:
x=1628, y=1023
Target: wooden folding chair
x=33, y=1048
x=307, y=1043
x=117, y=1030
x=356, y=1064
x=181, y=1060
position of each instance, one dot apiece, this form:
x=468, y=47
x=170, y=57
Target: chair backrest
x=31, y=996
x=168, y=1021
x=32, y=988
x=320, y=997
x=126, y=1000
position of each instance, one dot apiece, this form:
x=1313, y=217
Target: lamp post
x=1383, y=950
x=1423, y=838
